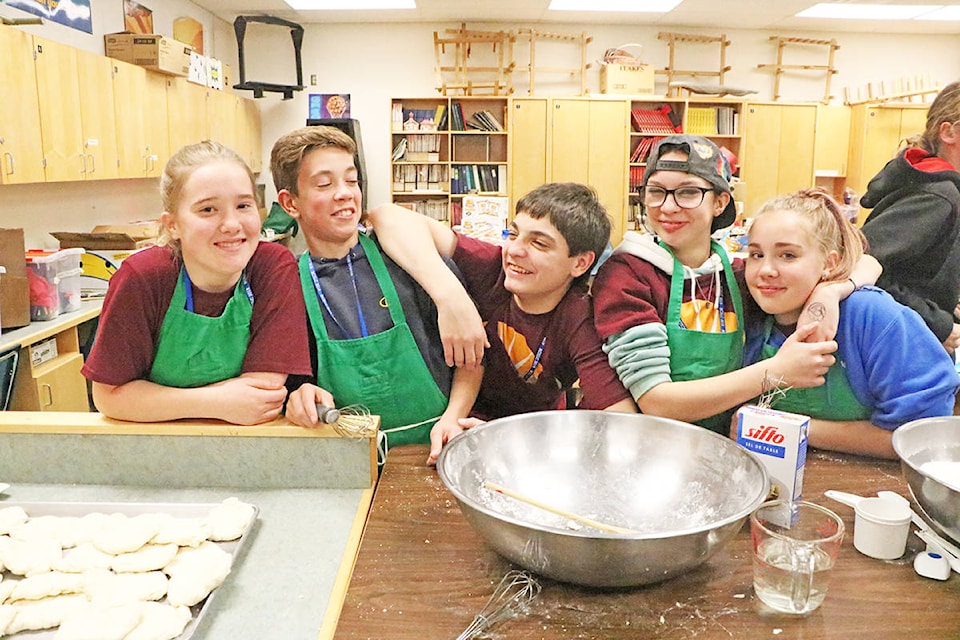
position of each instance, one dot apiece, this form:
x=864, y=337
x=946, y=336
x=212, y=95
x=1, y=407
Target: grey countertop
x=313, y=490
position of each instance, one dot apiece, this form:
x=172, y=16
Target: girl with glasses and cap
x=669, y=307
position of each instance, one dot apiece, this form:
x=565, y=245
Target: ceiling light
x=866, y=11
x=951, y=12
x=345, y=5
x=632, y=6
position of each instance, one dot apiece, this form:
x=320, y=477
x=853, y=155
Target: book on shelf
x=400, y=150
x=484, y=121
x=702, y=121
x=456, y=117
x=636, y=179
x=439, y=117
x=643, y=148
x=662, y=121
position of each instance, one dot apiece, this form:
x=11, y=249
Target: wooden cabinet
x=81, y=116
x=187, y=115
x=21, y=149
x=588, y=142
x=97, y=117
x=55, y=385
x=778, y=152
x=433, y=167
x=60, y=123
x=528, y=142
x=571, y=140
x=832, y=141
x=877, y=133
x=78, y=143
x=140, y=106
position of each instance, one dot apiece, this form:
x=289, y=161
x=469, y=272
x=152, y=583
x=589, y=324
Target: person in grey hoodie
x=914, y=228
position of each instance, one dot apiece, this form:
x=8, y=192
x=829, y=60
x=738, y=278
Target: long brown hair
x=944, y=108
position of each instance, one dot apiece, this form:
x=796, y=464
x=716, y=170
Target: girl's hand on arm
x=802, y=363
x=302, y=405
x=953, y=340
x=823, y=305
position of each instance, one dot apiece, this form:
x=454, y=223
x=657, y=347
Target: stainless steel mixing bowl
x=931, y=440
x=683, y=490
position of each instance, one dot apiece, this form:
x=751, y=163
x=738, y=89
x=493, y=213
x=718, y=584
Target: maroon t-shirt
x=571, y=347
x=139, y=295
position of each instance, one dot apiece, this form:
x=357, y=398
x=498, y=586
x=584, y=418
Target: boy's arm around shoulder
x=418, y=243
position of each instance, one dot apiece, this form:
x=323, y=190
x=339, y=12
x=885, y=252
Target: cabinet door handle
x=83, y=163
x=49, y=394
x=9, y=157
x=93, y=163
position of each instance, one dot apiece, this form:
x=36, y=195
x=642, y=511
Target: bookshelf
x=445, y=148
x=653, y=119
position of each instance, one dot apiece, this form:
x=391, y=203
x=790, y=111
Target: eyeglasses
x=685, y=197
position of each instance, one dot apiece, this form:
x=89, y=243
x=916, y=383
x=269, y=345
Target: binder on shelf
x=662, y=121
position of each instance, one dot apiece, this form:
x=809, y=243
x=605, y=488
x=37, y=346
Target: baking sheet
x=130, y=509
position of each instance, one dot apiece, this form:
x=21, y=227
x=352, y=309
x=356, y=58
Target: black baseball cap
x=704, y=160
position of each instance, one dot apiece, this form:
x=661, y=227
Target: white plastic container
x=45, y=270
x=70, y=290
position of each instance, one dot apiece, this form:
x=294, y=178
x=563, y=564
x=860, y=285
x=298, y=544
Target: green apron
x=833, y=400
x=695, y=355
x=196, y=350
x=384, y=372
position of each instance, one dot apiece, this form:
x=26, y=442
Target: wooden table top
x=423, y=572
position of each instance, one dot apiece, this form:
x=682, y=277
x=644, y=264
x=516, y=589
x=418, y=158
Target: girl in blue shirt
x=889, y=368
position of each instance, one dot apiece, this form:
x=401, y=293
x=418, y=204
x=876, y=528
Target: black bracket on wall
x=258, y=88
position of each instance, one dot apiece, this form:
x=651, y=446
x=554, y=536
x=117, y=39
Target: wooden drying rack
x=782, y=42
x=673, y=39
x=464, y=77
x=581, y=39
x=903, y=90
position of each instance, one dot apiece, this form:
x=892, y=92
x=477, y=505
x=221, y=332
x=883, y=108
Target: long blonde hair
x=829, y=228
x=181, y=166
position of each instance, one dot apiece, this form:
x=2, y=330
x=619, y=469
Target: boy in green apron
x=890, y=367
x=668, y=304
x=202, y=326
x=530, y=293
x=374, y=330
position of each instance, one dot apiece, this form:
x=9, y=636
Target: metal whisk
x=352, y=421
x=516, y=590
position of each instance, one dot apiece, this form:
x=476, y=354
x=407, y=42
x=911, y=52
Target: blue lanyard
x=326, y=305
x=536, y=360
x=189, y=289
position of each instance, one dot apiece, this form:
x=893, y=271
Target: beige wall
x=375, y=62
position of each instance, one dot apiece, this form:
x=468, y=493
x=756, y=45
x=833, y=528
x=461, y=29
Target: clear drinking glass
x=794, y=547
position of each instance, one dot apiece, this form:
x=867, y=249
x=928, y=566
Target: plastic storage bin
x=54, y=282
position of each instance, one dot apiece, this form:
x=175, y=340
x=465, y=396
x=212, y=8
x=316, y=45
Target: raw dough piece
x=90, y=524
x=194, y=573
x=7, y=614
x=185, y=532
x=84, y=557
x=33, y=615
x=97, y=621
x=160, y=622
x=44, y=585
x=108, y=587
x=63, y=529
x=6, y=588
x=123, y=535
x=11, y=517
x=26, y=557
x=229, y=519
x=149, y=557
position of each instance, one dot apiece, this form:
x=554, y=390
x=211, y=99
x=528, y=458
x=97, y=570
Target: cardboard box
x=14, y=284
x=626, y=79
x=779, y=440
x=149, y=50
x=106, y=247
